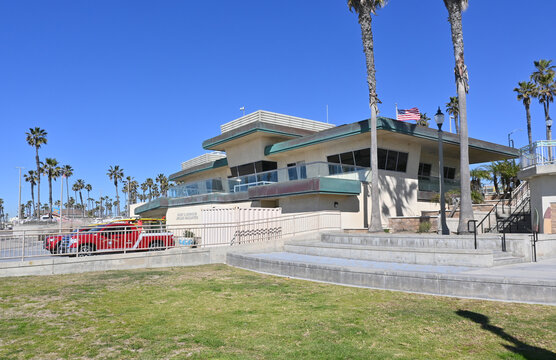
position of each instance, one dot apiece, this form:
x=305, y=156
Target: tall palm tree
x=144, y=188
x=150, y=183
x=546, y=86
x=31, y=178
x=28, y=207
x=116, y=174
x=67, y=171
x=134, y=186
x=365, y=9
x=162, y=180
x=37, y=137
x=525, y=92
x=89, y=188
x=452, y=108
x=80, y=185
x=52, y=171
x=455, y=9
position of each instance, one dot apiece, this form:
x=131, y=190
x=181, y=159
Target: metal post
x=444, y=227
x=61, y=200
x=23, y=247
x=19, y=202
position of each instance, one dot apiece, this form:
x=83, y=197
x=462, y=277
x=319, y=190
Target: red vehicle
x=58, y=244
x=120, y=236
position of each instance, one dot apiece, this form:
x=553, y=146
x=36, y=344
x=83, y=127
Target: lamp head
x=439, y=117
x=549, y=122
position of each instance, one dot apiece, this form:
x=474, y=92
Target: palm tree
x=364, y=10
x=477, y=175
x=149, y=183
x=37, y=137
x=80, y=185
x=67, y=171
x=31, y=178
x=156, y=192
x=455, y=8
x=423, y=120
x=525, y=92
x=452, y=108
x=546, y=86
x=134, y=186
x=162, y=180
x=116, y=174
x=89, y=188
x=144, y=187
x=28, y=207
x=52, y=171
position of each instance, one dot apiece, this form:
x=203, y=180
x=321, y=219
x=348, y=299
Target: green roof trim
x=214, y=165
x=386, y=124
x=251, y=128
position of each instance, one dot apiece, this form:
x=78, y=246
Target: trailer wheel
x=156, y=245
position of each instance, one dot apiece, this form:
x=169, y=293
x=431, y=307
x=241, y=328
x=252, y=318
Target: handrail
x=474, y=230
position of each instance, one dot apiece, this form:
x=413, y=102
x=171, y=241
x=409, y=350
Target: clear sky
x=141, y=84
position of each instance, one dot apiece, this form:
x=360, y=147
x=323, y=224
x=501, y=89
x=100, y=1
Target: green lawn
x=221, y=312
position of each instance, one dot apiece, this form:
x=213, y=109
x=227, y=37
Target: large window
x=392, y=160
x=449, y=173
x=424, y=170
x=297, y=171
x=253, y=168
x=387, y=160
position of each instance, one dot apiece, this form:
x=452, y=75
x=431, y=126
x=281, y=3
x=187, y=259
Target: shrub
x=476, y=197
x=424, y=227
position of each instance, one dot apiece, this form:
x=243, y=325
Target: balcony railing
x=291, y=173
x=432, y=183
x=196, y=188
x=538, y=154
x=298, y=172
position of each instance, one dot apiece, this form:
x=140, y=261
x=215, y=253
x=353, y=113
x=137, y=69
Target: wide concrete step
x=406, y=255
x=414, y=240
x=436, y=280
x=507, y=260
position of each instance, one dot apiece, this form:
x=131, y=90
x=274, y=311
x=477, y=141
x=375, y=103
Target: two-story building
x=268, y=160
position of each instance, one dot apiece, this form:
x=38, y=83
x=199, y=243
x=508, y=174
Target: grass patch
x=220, y=312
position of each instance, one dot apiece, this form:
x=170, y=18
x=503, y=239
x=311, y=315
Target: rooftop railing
x=540, y=153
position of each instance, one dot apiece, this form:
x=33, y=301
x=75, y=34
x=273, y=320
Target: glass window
x=362, y=157
x=292, y=172
x=246, y=169
x=391, y=160
x=424, y=170
x=347, y=158
x=449, y=173
x=234, y=171
x=382, y=158
x=402, y=162
x=332, y=169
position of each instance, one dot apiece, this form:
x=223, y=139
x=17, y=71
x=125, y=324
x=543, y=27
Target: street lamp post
x=439, y=119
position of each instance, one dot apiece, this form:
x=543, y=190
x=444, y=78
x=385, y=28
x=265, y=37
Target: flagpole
x=396, y=111
x=61, y=200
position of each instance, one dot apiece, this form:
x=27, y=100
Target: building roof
x=392, y=126
x=198, y=168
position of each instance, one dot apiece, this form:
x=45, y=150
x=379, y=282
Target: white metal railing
x=203, y=159
x=542, y=152
x=277, y=119
x=125, y=237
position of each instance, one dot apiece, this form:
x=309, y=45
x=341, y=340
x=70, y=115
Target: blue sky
x=141, y=84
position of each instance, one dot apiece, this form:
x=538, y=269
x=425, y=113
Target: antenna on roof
x=242, y=109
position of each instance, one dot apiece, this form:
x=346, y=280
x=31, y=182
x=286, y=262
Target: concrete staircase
x=408, y=249
x=432, y=264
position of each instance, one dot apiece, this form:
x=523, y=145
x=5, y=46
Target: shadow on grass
x=519, y=347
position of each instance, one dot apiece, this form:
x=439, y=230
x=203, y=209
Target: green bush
x=476, y=197
x=424, y=227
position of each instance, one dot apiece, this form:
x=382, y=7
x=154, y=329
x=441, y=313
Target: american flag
x=409, y=114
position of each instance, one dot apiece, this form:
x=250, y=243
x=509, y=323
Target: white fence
x=131, y=237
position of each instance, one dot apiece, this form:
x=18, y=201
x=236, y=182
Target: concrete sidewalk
x=524, y=282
